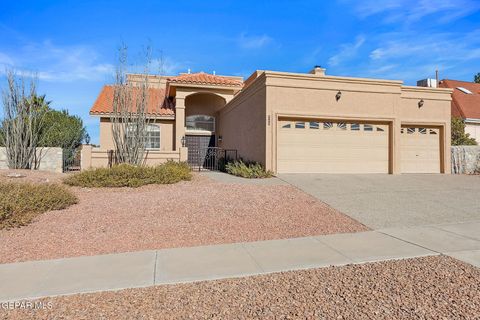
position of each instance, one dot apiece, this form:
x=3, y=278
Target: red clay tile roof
x=157, y=104
x=205, y=78
x=464, y=105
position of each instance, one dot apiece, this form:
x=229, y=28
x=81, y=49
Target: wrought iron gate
x=71, y=160
x=203, y=155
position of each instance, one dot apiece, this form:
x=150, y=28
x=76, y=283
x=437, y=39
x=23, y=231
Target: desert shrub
x=247, y=169
x=126, y=175
x=21, y=202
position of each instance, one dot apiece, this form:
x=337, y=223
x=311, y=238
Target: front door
x=198, y=150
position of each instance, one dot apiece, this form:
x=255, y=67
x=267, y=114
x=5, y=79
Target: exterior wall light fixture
x=421, y=103
x=338, y=95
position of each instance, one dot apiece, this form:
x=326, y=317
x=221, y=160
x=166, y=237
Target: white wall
x=474, y=130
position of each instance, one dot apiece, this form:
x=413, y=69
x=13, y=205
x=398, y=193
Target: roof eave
x=149, y=115
x=205, y=85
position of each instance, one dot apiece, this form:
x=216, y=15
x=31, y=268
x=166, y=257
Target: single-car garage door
x=325, y=146
x=420, y=150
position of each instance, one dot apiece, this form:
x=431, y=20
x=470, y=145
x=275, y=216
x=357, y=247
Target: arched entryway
x=201, y=114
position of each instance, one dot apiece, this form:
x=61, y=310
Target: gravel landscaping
x=423, y=288
x=189, y=213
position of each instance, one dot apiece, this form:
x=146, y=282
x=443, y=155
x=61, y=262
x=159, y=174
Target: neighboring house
x=465, y=104
x=294, y=122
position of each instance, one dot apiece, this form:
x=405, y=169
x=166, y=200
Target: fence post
x=85, y=157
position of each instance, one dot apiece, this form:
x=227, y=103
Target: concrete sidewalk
x=146, y=268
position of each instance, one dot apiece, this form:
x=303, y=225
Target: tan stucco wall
x=242, y=123
x=166, y=134
x=206, y=104
x=305, y=95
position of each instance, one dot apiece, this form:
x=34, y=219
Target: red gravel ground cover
x=423, y=288
x=193, y=213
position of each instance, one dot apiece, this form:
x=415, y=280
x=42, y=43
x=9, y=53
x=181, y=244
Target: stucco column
x=395, y=142
x=86, y=157
x=447, y=152
x=179, y=121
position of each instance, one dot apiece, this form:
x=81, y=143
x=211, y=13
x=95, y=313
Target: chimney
x=318, y=71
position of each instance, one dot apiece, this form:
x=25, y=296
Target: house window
x=300, y=125
x=200, y=123
x=314, y=125
x=327, y=125
x=151, y=138
x=342, y=126
x=367, y=127
x=287, y=126
x=355, y=127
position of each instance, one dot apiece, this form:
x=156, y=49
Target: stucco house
x=465, y=104
x=293, y=122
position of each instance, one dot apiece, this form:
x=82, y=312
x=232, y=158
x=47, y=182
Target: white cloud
x=58, y=63
x=412, y=11
x=54, y=63
x=439, y=46
x=411, y=55
x=5, y=60
x=166, y=66
x=347, y=51
x=254, y=41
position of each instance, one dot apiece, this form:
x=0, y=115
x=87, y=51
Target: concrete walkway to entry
x=147, y=268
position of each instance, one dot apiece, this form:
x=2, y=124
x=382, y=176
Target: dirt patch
x=190, y=213
x=33, y=176
x=423, y=288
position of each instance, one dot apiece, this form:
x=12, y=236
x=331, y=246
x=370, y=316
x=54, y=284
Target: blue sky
x=72, y=45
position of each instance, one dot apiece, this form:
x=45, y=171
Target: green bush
x=247, y=169
x=21, y=202
x=125, y=175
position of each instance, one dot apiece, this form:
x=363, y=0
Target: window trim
x=211, y=121
x=147, y=133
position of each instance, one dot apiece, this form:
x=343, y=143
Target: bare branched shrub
x=22, y=124
x=130, y=116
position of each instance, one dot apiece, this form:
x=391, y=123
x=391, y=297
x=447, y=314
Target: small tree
x=62, y=130
x=476, y=78
x=130, y=112
x=459, y=137
x=22, y=125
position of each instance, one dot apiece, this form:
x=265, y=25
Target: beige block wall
x=166, y=134
x=48, y=159
x=242, y=123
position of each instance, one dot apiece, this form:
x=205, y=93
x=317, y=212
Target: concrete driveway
x=386, y=201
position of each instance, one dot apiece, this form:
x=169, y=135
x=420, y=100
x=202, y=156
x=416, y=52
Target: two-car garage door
x=332, y=147
x=325, y=146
